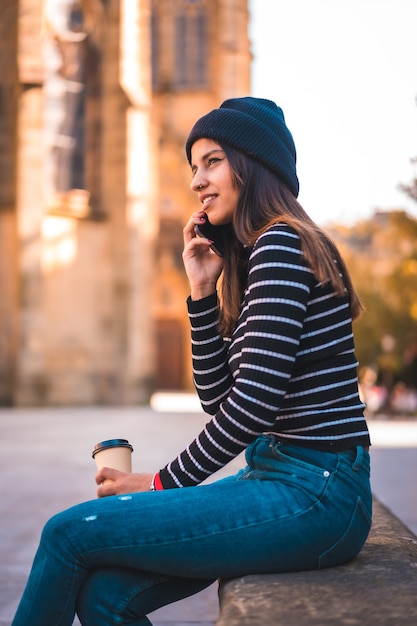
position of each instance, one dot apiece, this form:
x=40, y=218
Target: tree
x=381, y=254
x=410, y=189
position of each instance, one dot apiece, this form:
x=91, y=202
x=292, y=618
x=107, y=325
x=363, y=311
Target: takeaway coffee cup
x=115, y=453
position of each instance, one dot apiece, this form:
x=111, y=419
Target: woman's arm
x=262, y=356
x=212, y=376
x=213, y=379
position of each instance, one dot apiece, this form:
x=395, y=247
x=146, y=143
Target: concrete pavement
x=46, y=466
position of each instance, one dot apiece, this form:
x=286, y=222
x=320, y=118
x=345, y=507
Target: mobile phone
x=217, y=234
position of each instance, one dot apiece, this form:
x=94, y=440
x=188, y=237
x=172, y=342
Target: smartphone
x=217, y=234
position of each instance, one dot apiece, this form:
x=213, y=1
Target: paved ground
x=46, y=465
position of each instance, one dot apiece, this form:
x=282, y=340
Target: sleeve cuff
x=199, y=306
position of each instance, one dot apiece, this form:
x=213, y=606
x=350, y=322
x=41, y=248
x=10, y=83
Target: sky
x=345, y=74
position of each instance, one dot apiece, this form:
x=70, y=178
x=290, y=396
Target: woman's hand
x=202, y=266
x=112, y=482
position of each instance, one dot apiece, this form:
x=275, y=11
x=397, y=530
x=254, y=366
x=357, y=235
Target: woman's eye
x=213, y=160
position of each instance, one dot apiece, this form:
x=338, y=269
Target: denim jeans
x=116, y=559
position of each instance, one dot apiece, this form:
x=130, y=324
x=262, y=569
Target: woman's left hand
x=112, y=482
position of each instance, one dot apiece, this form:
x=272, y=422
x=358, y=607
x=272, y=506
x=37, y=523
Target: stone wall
x=92, y=301
x=8, y=228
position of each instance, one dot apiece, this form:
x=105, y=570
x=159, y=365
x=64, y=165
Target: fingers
x=107, y=473
x=188, y=232
x=112, y=482
x=197, y=249
x=107, y=488
x=196, y=245
x=202, y=266
x=106, y=480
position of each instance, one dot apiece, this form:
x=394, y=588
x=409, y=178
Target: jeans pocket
x=352, y=540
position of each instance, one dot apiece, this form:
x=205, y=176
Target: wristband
x=156, y=484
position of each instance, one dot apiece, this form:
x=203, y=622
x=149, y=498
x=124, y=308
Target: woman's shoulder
x=278, y=249
x=280, y=236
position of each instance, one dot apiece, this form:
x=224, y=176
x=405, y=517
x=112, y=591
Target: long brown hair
x=263, y=201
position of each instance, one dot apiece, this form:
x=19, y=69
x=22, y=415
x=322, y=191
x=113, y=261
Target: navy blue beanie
x=256, y=127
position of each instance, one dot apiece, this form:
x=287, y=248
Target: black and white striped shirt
x=289, y=368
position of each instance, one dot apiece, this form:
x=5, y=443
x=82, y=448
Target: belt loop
x=273, y=440
x=360, y=452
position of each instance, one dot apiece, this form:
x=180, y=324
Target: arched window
x=180, y=44
x=70, y=88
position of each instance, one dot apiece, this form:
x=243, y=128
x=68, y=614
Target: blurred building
x=96, y=99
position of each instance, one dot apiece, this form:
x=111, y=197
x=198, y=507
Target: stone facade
x=9, y=283
x=92, y=289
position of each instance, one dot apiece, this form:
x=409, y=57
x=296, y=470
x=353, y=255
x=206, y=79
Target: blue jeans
x=116, y=559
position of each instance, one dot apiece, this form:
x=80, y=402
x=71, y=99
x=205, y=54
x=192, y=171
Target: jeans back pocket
x=351, y=542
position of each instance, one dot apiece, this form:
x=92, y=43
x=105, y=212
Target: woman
x=274, y=365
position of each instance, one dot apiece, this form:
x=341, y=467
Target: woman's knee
x=98, y=599
x=112, y=594
x=54, y=529
x=62, y=534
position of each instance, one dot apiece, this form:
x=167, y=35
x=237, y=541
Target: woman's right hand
x=203, y=267
x=112, y=482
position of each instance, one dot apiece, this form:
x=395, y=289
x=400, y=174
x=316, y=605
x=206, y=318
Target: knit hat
x=256, y=127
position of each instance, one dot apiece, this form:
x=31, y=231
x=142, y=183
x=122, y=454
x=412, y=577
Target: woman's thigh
x=227, y=528
x=214, y=530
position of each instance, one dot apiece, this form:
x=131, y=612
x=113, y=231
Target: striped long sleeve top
x=289, y=368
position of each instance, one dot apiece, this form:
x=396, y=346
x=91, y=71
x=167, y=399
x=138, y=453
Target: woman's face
x=213, y=181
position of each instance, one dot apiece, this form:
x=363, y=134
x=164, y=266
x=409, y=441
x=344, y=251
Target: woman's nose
x=197, y=184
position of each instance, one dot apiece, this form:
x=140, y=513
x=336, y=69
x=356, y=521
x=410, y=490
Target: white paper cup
x=114, y=453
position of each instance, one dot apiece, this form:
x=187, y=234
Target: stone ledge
x=378, y=588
